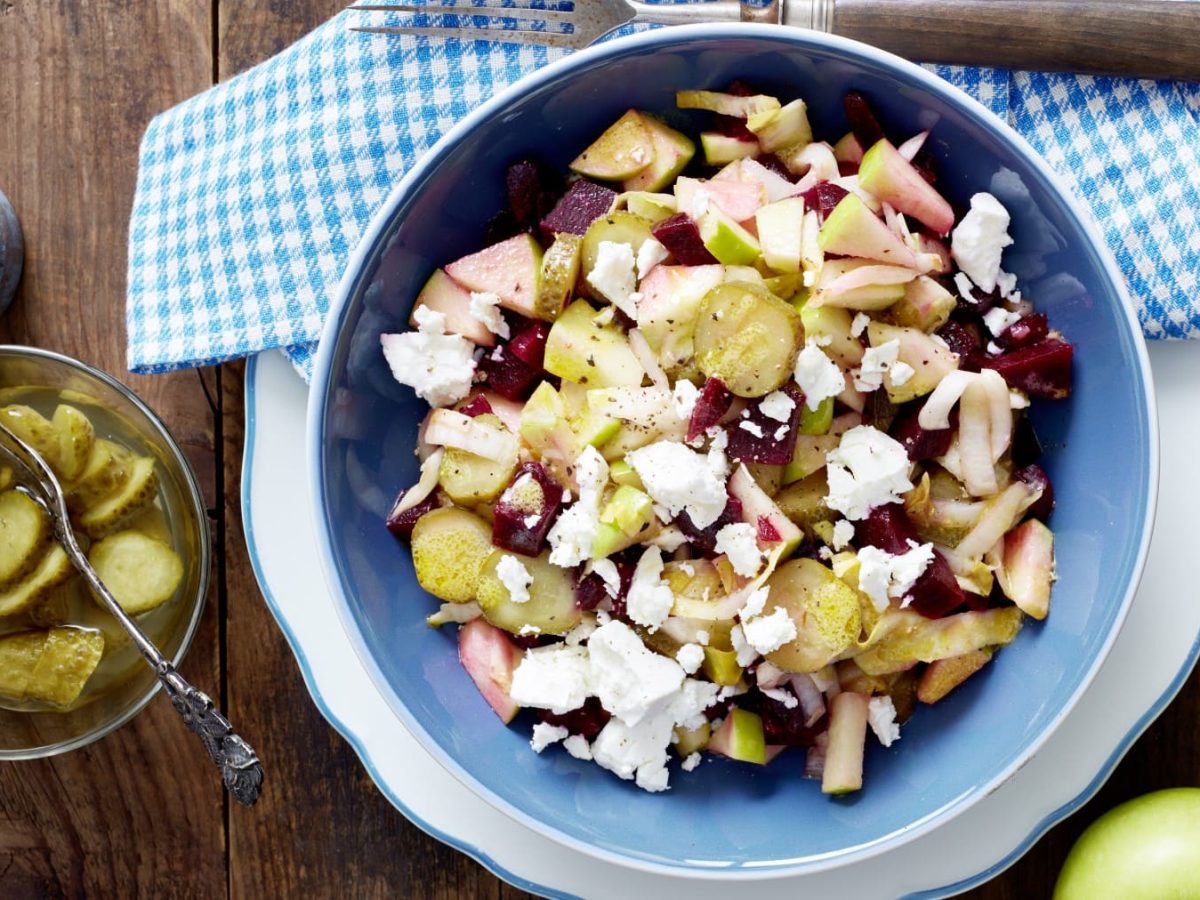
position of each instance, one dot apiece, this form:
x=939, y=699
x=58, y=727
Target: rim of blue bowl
x=348, y=287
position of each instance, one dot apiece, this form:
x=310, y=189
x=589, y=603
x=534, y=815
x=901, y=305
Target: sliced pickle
x=449, y=548
x=107, y=470
x=53, y=569
x=68, y=659
x=56, y=608
x=551, y=607
x=142, y=573
x=24, y=533
x=112, y=512
x=468, y=478
x=36, y=430
x=6, y=477
x=75, y=438
x=746, y=337
x=19, y=654
x=617, y=227
x=152, y=522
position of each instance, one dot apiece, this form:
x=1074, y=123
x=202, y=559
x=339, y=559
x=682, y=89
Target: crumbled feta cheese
x=545, y=734
x=459, y=613
x=669, y=539
x=690, y=657
x=882, y=575
x=628, y=678
x=581, y=632
x=979, y=239
x=607, y=570
x=751, y=427
x=649, y=255
x=867, y=469
x=485, y=308
x=650, y=598
x=439, y=367
x=965, y=288
x=824, y=553
x=531, y=520
x=691, y=762
x=843, y=534
x=818, y=376
x=739, y=542
x=680, y=479
x=572, y=536
x=994, y=349
x=768, y=633
x=1017, y=399
x=746, y=654
x=578, y=747
x=781, y=432
x=553, y=678
x=702, y=637
x=779, y=695
x=777, y=405
x=1007, y=283
x=605, y=316
x=876, y=362
x=529, y=631
x=687, y=569
x=859, y=324
x=685, y=396
x=901, y=373
x=429, y=321
x=613, y=275
x=769, y=675
x=515, y=577
x=718, y=462
x=997, y=319
x=754, y=604
x=881, y=714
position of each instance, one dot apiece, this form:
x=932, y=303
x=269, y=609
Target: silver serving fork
x=239, y=765
x=586, y=21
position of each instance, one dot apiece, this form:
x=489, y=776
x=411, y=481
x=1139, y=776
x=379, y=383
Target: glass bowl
x=30, y=375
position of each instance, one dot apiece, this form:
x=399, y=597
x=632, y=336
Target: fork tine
x=558, y=17
x=500, y=35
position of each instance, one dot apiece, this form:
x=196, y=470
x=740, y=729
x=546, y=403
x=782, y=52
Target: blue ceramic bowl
x=726, y=819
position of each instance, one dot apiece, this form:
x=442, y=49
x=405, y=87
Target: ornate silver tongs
x=239, y=765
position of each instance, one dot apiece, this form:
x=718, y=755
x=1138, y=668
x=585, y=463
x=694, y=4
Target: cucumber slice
x=449, y=548
x=747, y=338
x=69, y=657
x=468, y=478
x=19, y=654
x=560, y=271
x=618, y=227
x=107, y=470
x=34, y=429
x=551, y=606
x=115, y=509
x=75, y=438
x=52, y=570
x=142, y=573
x=24, y=531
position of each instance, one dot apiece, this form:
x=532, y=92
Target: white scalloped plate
x=1149, y=663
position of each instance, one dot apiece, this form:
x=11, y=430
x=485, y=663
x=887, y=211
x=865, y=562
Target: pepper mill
x=12, y=253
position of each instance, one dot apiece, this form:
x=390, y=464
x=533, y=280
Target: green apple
x=817, y=421
x=853, y=230
x=1145, y=849
x=781, y=232
x=672, y=152
x=721, y=666
x=622, y=151
x=651, y=206
x=588, y=353
x=510, y=269
x=887, y=175
x=629, y=509
x=726, y=104
x=621, y=472
x=757, y=505
x=784, y=127
x=740, y=737
x=443, y=294
x=728, y=241
x=720, y=149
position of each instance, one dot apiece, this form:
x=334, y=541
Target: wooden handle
x=1144, y=38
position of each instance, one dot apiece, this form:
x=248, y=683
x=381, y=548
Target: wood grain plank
x=80, y=83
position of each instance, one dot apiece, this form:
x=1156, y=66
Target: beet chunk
x=1025, y=331
x=823, y=197
x=590, y=591
x=919, y=442
x=528, y=343
x=780, y=724
x=582, y=204
x=1026, y=448
x=867, y=130
x=507, y=375
x=531, y=188
x=767, y=532
x=681, y=236
x=705, y=539
x=965, y=342
x=1042, y=369
x=476, y=406
x=888, y=528
x=521, y=523
x=711, y=405
x=589, y=720
x=770, y=441
x=401, y=523
x=1035, y=476
x=936, y=592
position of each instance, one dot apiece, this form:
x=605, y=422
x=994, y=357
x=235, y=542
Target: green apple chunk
x=728, y=241
x=926, y=305
x=672, y=152
x=721, y=666
x=651, y=206
x=510, y=269
x=581, y=350
x=784, y=127
x=1144, y=849
x=740, y=737
x=629, y=509
x=551, y=607
x=720, y=149
x=560, y=271
x=929, y=360
x=853, y=230
x=756, y=505
x=671, y=297
x=726, y=104
x=443, y=294
x=781, y=232
x=746, y=337
x=622, y=151
x=830, y=327
x=887, y=175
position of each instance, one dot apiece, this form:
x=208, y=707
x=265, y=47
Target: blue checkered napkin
x=251, y=196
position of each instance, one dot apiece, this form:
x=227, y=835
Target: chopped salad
x=727, y=451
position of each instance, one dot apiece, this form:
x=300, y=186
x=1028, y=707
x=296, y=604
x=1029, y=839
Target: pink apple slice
x=489, y=658
x=853, y=230
x=892, y=178
x=1028, y=570
x=510, y=269
x=737, y=199
x=442, y=294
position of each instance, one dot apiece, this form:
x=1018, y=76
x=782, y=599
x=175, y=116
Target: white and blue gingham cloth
x=251, y=196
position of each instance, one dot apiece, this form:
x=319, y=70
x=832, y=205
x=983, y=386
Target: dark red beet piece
x=530, y=191
x=528, y=342
x=767, y=532
x=476, y=406
x=582, y=204
x=888, y=528
x=919, y=442
x=780, y=724
x=711, y=406
x=732, y=126
x=775, y=164
x=1025, y=331
x=936, y=592
x=588, y=720
x=527, y=641
x=762, y=444
x=681, y=236
x=863, y=122
x=518, y=528
x=401, y=523
x=1026, y=448
x=507, y=375
x=705, y=539
x=1042, y=369
x=847, y=168
x=590, y=590
x=1035, y=476
x=977, y=602
x=823, y=197
x=965, y=342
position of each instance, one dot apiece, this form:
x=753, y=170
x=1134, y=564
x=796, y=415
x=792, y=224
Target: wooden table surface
x=141, y=813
